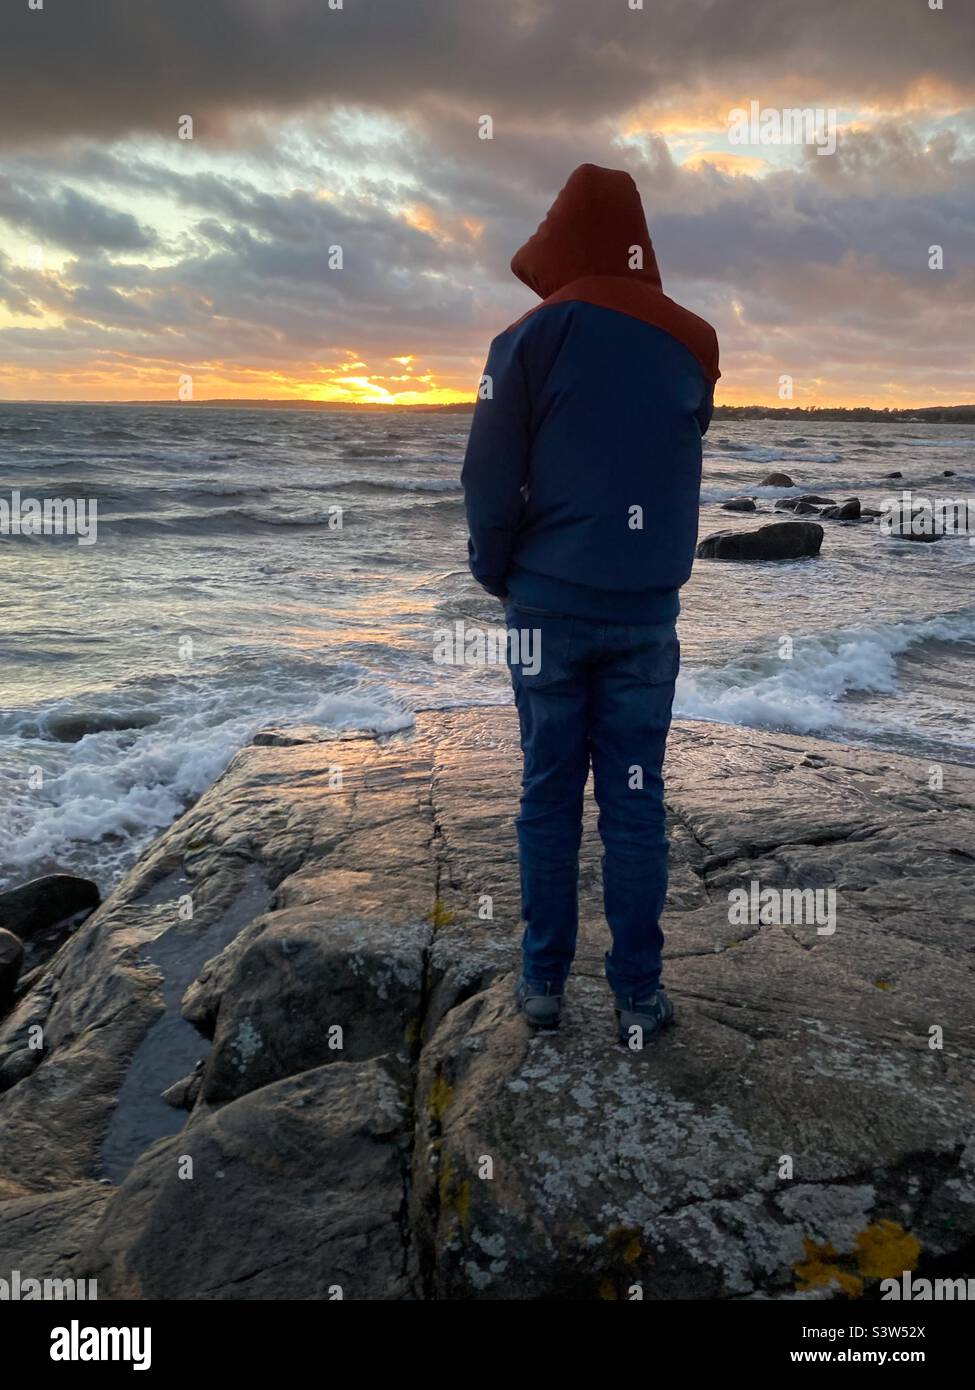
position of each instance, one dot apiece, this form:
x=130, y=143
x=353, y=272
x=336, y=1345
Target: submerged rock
x=72, y=728
x=777, y=480
x=781, y=540
x=797, y=506
x=913, y=523
x=807, y=503
x=846, y=511
x=739, y=504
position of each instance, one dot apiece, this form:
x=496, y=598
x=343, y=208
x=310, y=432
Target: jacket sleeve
x=705, y=410
x=496, y=464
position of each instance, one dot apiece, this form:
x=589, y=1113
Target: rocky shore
x=282, y=1061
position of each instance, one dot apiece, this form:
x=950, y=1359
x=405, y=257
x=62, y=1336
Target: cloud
x=317, y=127
x=109, y=67
x=70, y=219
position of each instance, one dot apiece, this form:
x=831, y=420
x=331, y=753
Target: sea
x=264, y=567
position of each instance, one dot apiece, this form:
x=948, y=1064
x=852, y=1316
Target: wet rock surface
x=34, y=908
x=11, y=960
x=288, y=1038
x=845, y=511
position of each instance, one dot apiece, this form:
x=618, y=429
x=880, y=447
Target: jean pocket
x=658, y=663
x=538, y=648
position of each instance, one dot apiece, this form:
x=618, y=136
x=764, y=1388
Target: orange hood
x=591, y=229
x=583, y=250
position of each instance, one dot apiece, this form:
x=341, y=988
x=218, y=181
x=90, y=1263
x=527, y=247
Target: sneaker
x=640, y=1021
x=540, y=1007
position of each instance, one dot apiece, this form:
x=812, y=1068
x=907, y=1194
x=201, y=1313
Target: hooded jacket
x=583, y=468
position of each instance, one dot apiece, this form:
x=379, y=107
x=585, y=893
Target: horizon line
x=314, y=403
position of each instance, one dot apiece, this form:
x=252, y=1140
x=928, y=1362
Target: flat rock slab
x=327, y=941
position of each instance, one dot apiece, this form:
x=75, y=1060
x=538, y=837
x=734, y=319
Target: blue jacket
x=583, y=468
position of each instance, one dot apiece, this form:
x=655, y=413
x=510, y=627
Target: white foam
x=805, y=693
x=115, y=790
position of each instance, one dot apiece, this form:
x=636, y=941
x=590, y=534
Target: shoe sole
x=648, y=1042
x=538, y=1026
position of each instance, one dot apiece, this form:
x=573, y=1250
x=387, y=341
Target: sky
x=133, y=260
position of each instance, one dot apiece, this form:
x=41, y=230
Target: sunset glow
x=296, y=234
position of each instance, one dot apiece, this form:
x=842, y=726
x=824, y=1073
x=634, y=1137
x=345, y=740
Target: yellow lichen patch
x=441, y=1095
x=626, y=1240
x=455, y=1197
x=819, y=1270
x=441, y=916
x=883, y=984
x=412, y=1032
x=885, y=1250
x=607, y=1291
x=462, y=1202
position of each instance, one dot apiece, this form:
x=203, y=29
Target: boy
x=582, y=482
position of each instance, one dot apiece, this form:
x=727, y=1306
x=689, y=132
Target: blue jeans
x=602, y=692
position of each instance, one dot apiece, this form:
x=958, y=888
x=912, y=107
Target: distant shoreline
x=919, y=415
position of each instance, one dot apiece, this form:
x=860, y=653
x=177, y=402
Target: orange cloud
x=728, y=163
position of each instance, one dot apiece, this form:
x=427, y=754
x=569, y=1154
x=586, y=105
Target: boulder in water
x=738, y=504
x=782, y=540
x=911, y=524
x=797, y=506
x=777, y=480
x=846, y=511
x=34, y=908
x=894, y=475
x=72, y=728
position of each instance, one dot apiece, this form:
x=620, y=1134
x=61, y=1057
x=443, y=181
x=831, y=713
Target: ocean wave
x=113, y=434
x=806, y=694
x=820, y=486
x=718, y=449
x=222, y=519
x=395, y=485
x=108, y=794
